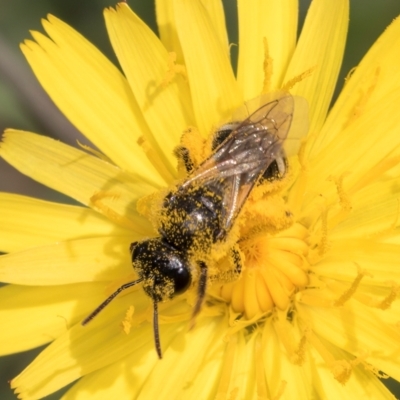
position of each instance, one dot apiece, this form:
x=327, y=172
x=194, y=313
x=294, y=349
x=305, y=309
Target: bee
x=200, y=212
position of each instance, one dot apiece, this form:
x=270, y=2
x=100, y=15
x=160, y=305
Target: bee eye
x=182, y=279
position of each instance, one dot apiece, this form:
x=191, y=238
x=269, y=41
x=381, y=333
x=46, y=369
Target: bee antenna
x=108, y=300
x=201, y=291
x=156, y=330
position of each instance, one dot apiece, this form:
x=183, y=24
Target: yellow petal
x=83, y=350
x=238, y=374
x=275, y=21
x=79, y=175
x=184, y=359
x=215, y=93
x=33, y=316
x=86, y=260
x=115, y=381
x=372, y=82
x=362, y=145
x=363, y=384
x=165, y=105
x=380, y=260
x=370, y=336
x=282, y=374
x=215, y=11
x=374, y=210
x=93, y=95
x=167, y=28
x=28, y=222
x=320, y=49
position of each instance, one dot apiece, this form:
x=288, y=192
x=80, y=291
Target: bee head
x=164, y=270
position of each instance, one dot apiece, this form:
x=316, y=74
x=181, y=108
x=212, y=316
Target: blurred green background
x=23, y=105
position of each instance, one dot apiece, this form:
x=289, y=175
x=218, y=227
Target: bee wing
x=300, y=125
x=295, y=105
x=245, y=154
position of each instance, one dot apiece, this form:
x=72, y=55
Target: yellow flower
x=314, y=311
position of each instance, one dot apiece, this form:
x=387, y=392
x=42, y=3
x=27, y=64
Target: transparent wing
x=235, y=166
x=300, y=120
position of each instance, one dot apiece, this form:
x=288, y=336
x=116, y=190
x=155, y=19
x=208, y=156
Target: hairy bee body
x=199, y=213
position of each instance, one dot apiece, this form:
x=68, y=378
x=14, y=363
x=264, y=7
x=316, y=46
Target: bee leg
x=236, y=260
x=184, y=160
x=201, y=291
x=156, y=330
x=275, y=171
x=234, y=269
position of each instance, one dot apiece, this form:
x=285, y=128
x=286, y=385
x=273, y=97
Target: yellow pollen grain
x=146, y=205
x=300, y=352
x=268, y=68
x=192, y=140
x=341, y=369
x=359, y=107
x=388, y=300
x=126, y=323
x=154, y=157
x=298, y=78
x=344, y=199
x=265, y=215
x=324, y=245
x=351, y=291
x=173, y=70
x=96, y=202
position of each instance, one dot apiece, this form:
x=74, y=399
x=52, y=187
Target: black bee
x=200, y=212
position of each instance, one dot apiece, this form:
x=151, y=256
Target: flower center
x=274, y=267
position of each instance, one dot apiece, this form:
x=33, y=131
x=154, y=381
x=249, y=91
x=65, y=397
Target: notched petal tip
x=119, y=7
x=28, y=46
x=109, y=10
x=5, y=135
x=2, y=136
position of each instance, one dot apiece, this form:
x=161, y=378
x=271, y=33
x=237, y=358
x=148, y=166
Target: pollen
x=275, y=268
x=173, y=70
x=126, y=323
